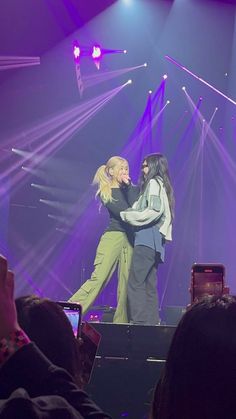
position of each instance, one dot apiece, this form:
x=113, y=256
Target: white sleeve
x=150, y=214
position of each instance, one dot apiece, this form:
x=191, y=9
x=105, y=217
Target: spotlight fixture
x=145, y=65
x=96, y=52
x=216, y=109
x=165, y=76
x=76, y=52
x=200, y=98
x=129, y=81
x=150, y=92
x=168, y=102
x=125, y=51
x=184, y=88
x=97, y=55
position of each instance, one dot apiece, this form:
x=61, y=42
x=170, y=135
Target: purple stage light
x=125, y=51
x=128, y=82
x=76, y=52
x=173, y=61
x=165, y=76
x=97, y=52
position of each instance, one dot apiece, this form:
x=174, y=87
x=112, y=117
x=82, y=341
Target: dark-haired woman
x=152, y=214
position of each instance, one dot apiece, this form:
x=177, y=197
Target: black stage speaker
x=171, y=315
x=129, y=362
x=124, y=388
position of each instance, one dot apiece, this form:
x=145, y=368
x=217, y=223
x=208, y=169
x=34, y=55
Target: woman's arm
x=150, y=214
x=131, y=193
x=116, y=207
x=127, y=195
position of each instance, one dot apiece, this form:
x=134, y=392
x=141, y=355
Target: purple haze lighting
x=97, y=52
x=173, y=61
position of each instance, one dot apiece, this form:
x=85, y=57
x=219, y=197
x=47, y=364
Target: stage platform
x=128, y=364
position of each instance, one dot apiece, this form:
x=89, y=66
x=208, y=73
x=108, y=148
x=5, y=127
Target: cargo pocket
x=87, y=287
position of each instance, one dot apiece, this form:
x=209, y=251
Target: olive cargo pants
x=113, y=249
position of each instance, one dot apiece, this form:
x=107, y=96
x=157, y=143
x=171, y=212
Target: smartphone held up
x=207, y=279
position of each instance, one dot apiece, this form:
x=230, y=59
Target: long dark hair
x=199, y=378
x=46, y=324
x=158, y=166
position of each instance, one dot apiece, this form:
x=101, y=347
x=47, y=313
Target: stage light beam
x=173, y=61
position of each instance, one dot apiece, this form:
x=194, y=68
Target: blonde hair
x=104, y=179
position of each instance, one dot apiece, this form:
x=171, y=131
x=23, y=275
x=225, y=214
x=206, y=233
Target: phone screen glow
x=74, y=319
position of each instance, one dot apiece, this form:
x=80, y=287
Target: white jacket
x=152, y=207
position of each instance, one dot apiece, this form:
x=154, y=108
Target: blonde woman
x=115, y=247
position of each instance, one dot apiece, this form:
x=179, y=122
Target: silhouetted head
x=47, y=325
x=199, y=379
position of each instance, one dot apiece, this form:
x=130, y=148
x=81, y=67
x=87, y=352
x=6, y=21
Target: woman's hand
x=125, y=179
x=8, y=317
